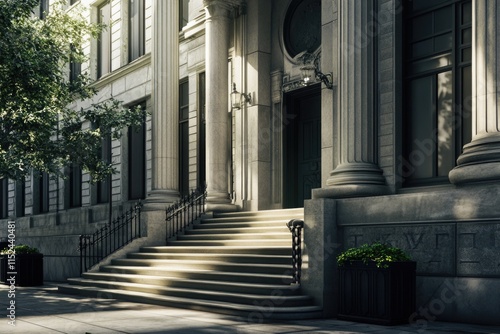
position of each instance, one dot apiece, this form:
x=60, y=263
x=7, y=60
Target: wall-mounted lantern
x=237, y=98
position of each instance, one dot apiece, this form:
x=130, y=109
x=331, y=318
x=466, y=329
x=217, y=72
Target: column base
x=358, y=179
x=347, y=191
x=479, y=162
x=160, y=199
x=219, y=202
x=473, y=173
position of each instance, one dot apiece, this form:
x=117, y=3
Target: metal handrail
x=295, y=226
x=111, y=237
x=184, y=212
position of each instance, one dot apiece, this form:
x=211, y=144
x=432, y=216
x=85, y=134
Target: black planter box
x=384, y=296
x=29, y=269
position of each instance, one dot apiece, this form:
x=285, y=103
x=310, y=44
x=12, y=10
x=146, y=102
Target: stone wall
x=453, y=234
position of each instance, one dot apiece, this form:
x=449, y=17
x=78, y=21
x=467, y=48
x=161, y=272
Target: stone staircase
x=231, y=263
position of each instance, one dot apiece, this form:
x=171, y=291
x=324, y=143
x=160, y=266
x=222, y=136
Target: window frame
x=136, y=29
x=137, y=139
x=104, y=67
x=459, y=112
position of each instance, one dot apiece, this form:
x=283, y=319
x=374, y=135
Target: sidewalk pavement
x=40, y=310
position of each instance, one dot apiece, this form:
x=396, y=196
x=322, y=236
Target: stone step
x=233, y=263
x=229, y=242
x=201, y=292
x=253, y=313
x=209, y=229
x=177, y=282
x=232, y=223
x=239, y=258
x=236, y=236
x=286, y=213
x=198, y=274
x=205, y=265
x=253, y=249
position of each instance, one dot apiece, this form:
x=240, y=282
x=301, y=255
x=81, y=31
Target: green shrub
x=381, y=254
x=20, y=249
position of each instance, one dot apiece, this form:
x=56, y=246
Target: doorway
x=302, y=145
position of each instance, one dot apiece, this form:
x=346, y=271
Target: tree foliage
x=38, y=128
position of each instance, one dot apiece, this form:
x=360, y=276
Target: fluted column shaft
x=217, y=28
x=358, y=173
x=480, y=160
x=165, y=100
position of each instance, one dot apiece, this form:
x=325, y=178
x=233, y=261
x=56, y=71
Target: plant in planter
x=23, y=262
x=377, y=284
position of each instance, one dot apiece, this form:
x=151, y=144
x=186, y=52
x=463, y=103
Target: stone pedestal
x=358, y=173
x=480, y=160
x=165, y=100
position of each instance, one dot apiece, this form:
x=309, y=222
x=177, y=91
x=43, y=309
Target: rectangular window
x=75, y=68
x=43, y=192
x=137, y=161
x=75, y=186
x=437, y=67
x=184, y=138
x=183, y=13
x=103, y=187
x=4, y=202
x=20, y=198
x=136, y=29
x=104, y=42
x=42, y=9
x=201, y=131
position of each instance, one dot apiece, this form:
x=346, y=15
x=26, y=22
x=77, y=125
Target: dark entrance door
x=302, y=146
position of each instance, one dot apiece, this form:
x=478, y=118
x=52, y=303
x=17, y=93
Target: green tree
x=38, y=129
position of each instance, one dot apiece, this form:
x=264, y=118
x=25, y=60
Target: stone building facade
x=394, y=137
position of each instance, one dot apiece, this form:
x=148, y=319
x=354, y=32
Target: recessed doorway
x=302, y=145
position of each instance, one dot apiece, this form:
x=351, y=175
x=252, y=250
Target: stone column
x=480, y=160
x=165, y=100
x=357, y=173
x=218, y=146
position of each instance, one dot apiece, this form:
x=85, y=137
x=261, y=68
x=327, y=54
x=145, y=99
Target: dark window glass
x=104, y=43
x=137, y=161
x=201, y=131
x=20, y=198
x=4, y=202
x=184, y=137
x=75, y=68
x=42, y=9
x=103, y=187
x=136, y=29
x=75, y=186
x=437, y=59
x=43, y=192
x=183, y=13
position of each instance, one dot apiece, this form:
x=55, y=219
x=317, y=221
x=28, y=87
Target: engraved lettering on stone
x=440, y=237
x=468, y=240
x=414, y=239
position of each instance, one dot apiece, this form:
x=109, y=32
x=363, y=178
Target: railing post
x=295, y=226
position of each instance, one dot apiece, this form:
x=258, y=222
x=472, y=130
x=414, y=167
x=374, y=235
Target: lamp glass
x=235, y=98
x=308, y=75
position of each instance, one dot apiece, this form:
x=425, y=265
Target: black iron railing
x=295, y=226
x=184, y=212
x=110, y=238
